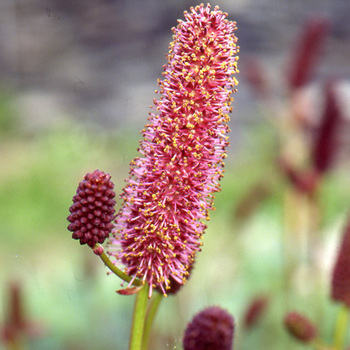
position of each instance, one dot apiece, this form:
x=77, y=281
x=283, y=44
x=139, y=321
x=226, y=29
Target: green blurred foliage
x=9, y=121
x=65, y=285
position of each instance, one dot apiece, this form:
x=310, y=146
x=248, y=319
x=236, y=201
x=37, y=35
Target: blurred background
x=76, y=82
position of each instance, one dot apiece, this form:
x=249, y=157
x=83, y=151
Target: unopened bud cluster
x=92, y=211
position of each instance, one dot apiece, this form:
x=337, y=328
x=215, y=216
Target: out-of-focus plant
x=18, y=328
x=300, y=327
x=309, y=145
x=303, y=329
x=255, y=311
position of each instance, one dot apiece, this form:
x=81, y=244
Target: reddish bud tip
x=326, y=142
x=307, y=51
x=212, y=328
x=129, y=291
x=300, y=327
x=254, y=311
x=92, y=211
x=98, y=250
x=341, y=272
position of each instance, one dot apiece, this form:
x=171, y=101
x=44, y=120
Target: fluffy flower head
x=171, y=186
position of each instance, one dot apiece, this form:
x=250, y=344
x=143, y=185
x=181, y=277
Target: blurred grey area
x=98, y=61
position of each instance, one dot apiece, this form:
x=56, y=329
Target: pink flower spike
x=171, y=186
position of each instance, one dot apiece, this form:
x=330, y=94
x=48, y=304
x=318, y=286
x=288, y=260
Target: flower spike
x=171, y=187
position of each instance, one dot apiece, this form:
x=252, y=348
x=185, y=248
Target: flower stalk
x=151, y=314
x=98, y=250
x=138, y=321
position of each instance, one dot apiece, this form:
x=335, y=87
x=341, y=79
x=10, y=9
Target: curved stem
x=341, y=327
x=113, y=268
x=151, y=314
x=138, y=321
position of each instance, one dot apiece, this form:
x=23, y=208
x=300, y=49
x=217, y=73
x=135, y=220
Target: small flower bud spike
x=340, y=288
x=92, y=211
x=300, y=327
x=255, y=311
x=305, y=55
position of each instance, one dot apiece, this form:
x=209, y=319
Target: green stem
x=341, y=327
x=138, y=321
x=151, y=314
x=104, y=257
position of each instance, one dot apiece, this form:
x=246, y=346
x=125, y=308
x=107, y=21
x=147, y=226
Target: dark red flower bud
x=326, y=142
x=210, y=329
x=307, y=51
x=341, y=272
x=254, y=311
x=300, y=327
x=92, y=211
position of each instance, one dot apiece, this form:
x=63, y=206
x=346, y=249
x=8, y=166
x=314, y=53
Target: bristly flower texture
x=171, y=187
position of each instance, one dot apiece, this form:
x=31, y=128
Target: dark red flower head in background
x=210, y=329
